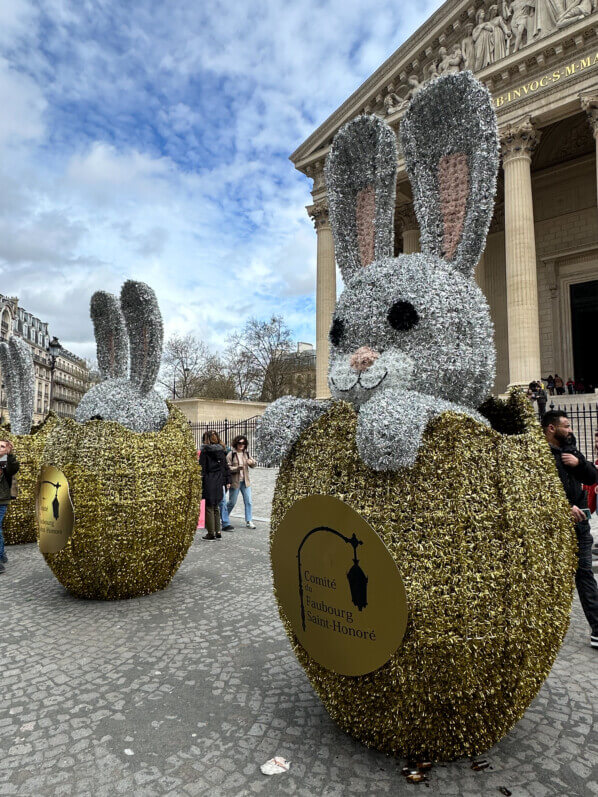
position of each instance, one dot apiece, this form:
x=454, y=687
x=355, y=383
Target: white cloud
x=151, y=140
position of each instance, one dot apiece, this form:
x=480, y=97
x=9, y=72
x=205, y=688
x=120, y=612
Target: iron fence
x=228, y=430
x=584, y=421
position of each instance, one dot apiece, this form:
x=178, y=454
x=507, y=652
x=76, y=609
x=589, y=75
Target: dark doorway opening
x=584, y=328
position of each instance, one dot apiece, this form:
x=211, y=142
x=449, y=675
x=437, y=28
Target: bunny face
x=136, y=323
x=119, y=400
x=411, y=323
x=417, y=322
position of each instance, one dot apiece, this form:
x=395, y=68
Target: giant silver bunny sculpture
x=411, y=337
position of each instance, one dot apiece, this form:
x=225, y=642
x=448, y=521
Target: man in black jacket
x=574, y=471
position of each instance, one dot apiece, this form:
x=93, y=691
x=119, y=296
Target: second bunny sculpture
x=411, y=337
x=129, y=461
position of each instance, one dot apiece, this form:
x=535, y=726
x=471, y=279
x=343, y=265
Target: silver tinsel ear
x=110, y=334
x=450, y=140
x=361, y=180
x=144, y=325
x=131, y=402
x=16, y=364
x=282, y=424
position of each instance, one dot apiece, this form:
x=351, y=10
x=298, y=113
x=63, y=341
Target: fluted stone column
x=325, y=293
x=590, y=106
x=408, y=225
x=518, y=143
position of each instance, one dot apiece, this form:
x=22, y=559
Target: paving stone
x=199, y=681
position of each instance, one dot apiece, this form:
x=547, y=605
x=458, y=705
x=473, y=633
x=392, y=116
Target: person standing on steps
x=239, y=463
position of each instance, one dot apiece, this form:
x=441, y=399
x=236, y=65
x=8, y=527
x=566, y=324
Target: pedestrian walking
x=570, y=386
x=239, y=463
x=575, y=471
x=9, y=467
x=215, y=477
x=558, y=385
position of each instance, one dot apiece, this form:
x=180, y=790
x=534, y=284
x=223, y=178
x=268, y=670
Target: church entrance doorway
x=584, y=326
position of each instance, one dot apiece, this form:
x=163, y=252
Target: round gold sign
x=54, y=510
x=338, y=585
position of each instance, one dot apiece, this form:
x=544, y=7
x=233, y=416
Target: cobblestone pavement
x=263, y=481
x=188, y=691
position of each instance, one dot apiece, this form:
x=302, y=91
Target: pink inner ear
x=366, y=223
x=453, y=183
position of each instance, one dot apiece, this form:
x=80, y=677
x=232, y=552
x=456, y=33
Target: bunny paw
x=282, y=424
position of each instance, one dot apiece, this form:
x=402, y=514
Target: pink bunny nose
x=363, y=358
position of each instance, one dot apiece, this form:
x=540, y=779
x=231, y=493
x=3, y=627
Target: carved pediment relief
x=498, y=30
x=479, y=36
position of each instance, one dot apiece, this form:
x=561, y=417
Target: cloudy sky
x=150, y=140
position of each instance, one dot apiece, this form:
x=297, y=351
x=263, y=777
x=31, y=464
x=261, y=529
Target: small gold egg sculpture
x=135, y=499
x=480, y=532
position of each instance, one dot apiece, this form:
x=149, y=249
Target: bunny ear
x=144, y=325
x=361, y=181
x=16, y=363
x=110, y=334
x=450, y=140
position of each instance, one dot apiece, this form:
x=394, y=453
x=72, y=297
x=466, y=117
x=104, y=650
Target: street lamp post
x=54, y=349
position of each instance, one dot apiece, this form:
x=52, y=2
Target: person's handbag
x=14, y=488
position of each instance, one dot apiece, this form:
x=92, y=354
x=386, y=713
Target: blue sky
x=150, y=140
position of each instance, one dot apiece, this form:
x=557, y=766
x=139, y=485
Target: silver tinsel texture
x=18, y=374
x=136, y=325
x=411, y=336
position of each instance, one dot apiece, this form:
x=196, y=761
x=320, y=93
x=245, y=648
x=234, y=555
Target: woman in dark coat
x=215, y=477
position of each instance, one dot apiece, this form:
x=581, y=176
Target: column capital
x=318, y=213
x=405, y=218
x=315, y=171
x=590, y=106
x=519, y=140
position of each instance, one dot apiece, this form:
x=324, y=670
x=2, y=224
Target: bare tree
x=183, y=359
x=262, y=350
x=213, y=381
x=243, y=373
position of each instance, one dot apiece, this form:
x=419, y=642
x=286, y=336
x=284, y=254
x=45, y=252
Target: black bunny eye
x=337, y=330
x=402, y=316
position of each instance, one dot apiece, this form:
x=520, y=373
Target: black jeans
x=587, y=589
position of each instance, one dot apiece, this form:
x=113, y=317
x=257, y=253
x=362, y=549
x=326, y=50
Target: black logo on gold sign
x=348, y=612
x=358, y=582
x=54, y=510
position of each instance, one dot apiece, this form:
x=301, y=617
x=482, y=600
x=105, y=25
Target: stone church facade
x=539, y=60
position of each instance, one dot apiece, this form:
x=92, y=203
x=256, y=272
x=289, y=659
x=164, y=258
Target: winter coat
x=8, y=468
x=233, y=463
x=215, y=474
x=573, y=479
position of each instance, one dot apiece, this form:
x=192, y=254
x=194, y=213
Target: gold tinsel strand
x=19, y=521
x=481, y=533
x=136, y=499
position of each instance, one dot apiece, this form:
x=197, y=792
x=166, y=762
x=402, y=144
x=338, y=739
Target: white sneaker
x=250, y=525
x=594, y=640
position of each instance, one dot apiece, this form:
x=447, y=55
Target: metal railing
x=228, y=430
x=584, y=422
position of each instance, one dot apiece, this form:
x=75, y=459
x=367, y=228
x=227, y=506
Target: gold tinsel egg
x=19, y=521
x=480, y=531
x=136, y=502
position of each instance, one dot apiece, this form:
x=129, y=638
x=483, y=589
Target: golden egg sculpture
x=19, y=522
x=479, y=529
x=135, y=498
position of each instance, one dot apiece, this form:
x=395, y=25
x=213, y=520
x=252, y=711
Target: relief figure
x=483, y=41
